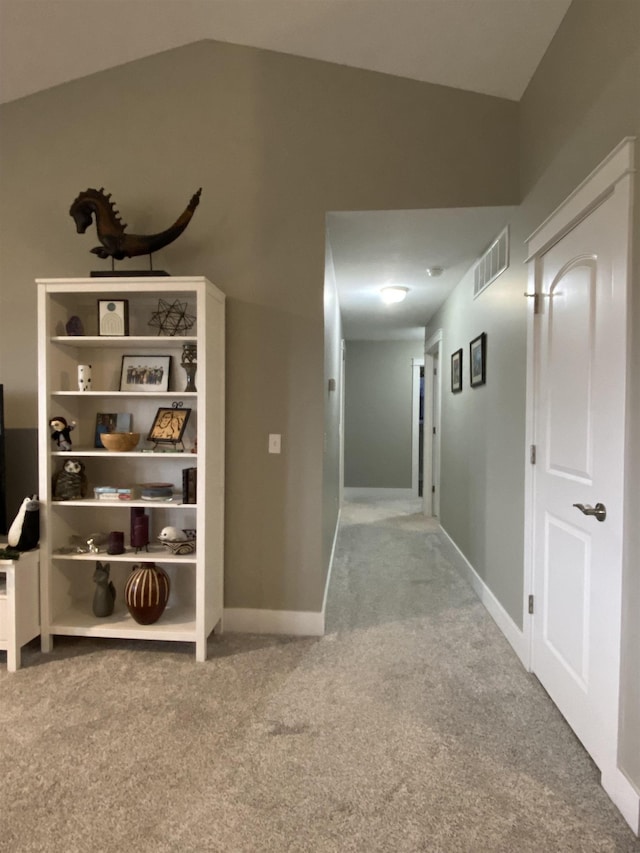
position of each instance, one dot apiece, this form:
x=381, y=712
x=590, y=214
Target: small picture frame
x=478, y=360
x=107, y=422
x=169, y=425
x=113, y=317
x=456, y=371
x=145, y=373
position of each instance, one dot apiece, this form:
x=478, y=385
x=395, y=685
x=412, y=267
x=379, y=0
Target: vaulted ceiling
x=488, y=46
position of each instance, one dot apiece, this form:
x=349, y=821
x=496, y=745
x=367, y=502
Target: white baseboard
x=354, y=493
x=241, y=620
x=624, y=795
x=514, y=635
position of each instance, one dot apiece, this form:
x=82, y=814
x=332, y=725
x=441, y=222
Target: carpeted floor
x=411, y=726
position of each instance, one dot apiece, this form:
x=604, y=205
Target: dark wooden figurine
x=116, y=243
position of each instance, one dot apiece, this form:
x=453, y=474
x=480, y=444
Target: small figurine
x=172, y=534
x=116, y=243
x=71, y=482
x=74, y=326
x=92, y=544
x=105, y=595
x=178, y=541
x=61, y=432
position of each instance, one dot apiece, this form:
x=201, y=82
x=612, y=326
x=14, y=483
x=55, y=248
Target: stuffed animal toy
x=61, y=432
x=71, y=482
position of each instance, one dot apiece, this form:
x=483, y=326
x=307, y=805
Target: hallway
x=474, y=754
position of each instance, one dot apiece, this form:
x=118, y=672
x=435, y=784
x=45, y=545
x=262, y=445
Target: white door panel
x=570, y=343
x=567, y=567
x=581, y=363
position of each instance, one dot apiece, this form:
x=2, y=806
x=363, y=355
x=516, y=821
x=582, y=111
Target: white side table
x=19, y=604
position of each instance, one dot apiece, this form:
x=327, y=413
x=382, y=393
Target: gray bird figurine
x=71, y=482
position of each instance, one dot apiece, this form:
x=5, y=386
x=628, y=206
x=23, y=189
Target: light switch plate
x=274, y=442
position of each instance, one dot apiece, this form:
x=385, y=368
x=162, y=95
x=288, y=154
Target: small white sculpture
x=172, y=534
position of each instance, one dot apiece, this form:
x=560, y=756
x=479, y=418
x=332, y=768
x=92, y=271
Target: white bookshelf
x=195, y=605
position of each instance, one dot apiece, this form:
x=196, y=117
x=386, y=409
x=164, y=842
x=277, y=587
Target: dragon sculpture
x=116, y=243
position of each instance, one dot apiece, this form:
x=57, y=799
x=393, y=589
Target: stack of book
x=189, y=485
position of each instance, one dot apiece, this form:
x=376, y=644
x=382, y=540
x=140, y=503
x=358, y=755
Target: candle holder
x=189, y=363
x=139, y=529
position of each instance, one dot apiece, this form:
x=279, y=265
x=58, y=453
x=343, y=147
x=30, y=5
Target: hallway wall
x=483, y=432
x=378, y=413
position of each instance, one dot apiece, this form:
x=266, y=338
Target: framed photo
x=113, y=317
x=107, y=422
x=478, y=360
x=169, y=425
x=145, y=373
x=456, y=371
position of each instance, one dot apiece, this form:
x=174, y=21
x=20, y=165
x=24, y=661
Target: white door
x=579, y=434
x=431, y=447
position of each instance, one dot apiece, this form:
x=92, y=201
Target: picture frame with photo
x=478, y=360
x=108, y=422
x=456, y=371
x=145, y=373
x=169, y=425
x=113, y=317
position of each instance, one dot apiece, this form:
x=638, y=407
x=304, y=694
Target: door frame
x=416, y=364
x=431, y=440
x=614, y=174
x=343, y=353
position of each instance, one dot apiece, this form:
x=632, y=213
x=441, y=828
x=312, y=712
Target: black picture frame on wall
x=478, y=360
x=456, y=371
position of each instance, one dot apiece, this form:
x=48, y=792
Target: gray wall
x=275, y=141
x=483, y=433
x=378, y=413
x=583, y=100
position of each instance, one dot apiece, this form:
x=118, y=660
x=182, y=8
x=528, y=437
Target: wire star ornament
x=171, y=318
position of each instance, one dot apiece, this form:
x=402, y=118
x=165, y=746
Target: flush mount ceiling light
x=393, y=294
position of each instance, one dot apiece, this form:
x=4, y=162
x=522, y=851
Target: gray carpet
x=411, y=726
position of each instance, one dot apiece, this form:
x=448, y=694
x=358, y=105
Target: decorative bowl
x=178, y=541
x=186, y=546
x=120, y=442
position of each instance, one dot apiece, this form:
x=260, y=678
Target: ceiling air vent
x=494, y=261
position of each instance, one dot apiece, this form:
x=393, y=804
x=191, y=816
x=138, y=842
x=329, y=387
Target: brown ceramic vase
x=147, y=592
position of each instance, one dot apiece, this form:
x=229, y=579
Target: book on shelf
x=189, y=485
